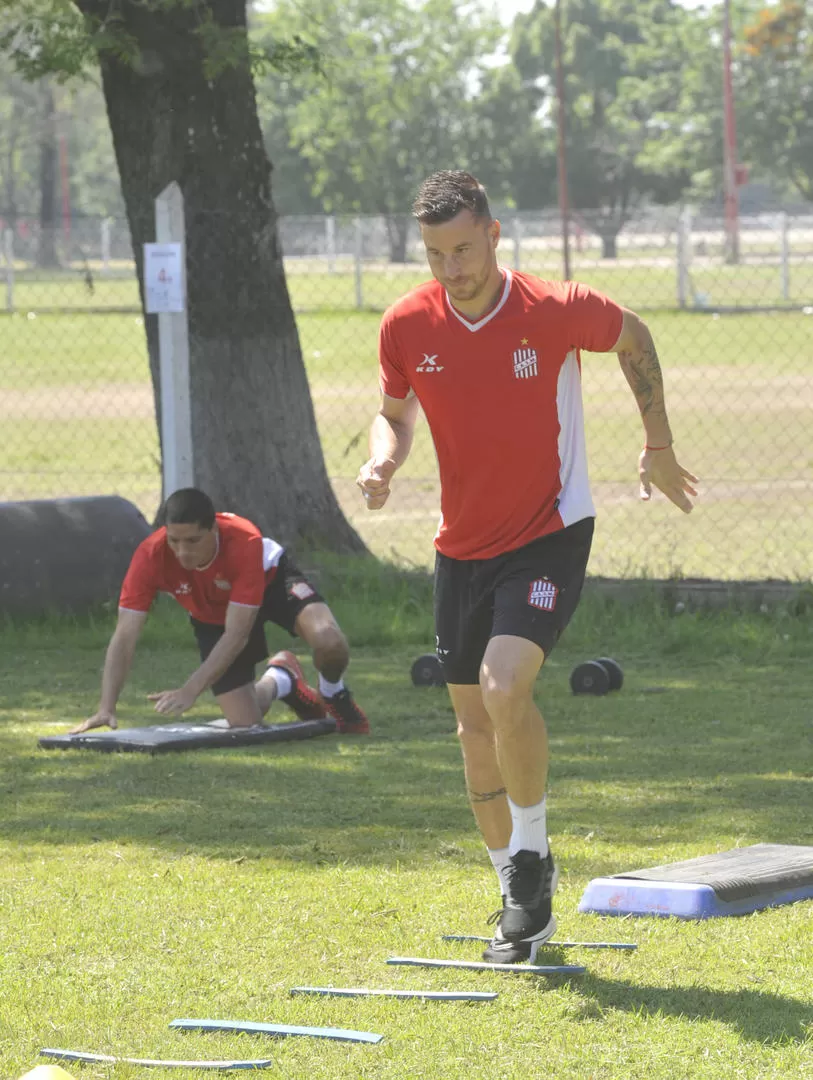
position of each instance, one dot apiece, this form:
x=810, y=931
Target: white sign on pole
x=163, y=278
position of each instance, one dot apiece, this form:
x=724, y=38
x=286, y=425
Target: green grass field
x=135, y=889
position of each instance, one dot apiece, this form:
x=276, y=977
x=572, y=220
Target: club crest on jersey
x=221, y=584
x=543, y=594
x=429, y=364
x=525, y=363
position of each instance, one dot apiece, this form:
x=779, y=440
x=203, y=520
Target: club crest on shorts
x=542, y=594
x=301, y=590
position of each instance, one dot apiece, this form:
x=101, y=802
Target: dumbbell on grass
x=426, y=671
x=597, y=677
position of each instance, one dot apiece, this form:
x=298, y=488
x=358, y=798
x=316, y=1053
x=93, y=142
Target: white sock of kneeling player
x=282, y=680
x=330, y=689
x=530, y=830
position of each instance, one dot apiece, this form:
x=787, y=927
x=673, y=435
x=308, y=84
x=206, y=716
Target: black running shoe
x=501, y=951
x=526, y=914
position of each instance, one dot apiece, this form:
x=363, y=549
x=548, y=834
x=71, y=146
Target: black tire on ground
x=66, y=555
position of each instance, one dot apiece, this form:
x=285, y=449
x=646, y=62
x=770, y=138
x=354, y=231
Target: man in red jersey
x=231, y=579
x=492, y=356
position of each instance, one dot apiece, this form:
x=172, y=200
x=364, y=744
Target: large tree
x=180, y=98
x=624, y=63
x=393, y=102
x=776, y=93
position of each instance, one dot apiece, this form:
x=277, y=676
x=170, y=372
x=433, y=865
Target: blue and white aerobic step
x=735, y=882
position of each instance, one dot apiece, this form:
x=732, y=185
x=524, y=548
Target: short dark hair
x=444, y=194
x=187, y=506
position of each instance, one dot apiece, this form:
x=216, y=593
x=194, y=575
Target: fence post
x=330, y=242
x=105, y=239
x=8, y=251
x=358, y=254
x=516, y=228
x=684, y=240
x=173, y=344
x=784, y=257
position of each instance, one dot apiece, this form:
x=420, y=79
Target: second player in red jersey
x=231, y=580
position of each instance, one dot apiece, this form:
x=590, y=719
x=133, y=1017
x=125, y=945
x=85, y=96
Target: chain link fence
x=735, y=339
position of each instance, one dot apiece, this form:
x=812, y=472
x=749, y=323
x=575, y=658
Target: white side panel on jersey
x=575, y=501
x=272, y=553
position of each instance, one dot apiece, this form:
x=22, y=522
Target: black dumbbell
x=427, y=671
x=614, y=670
x=597, y=677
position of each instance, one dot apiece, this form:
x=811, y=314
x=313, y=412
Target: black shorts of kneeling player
x=287, y=595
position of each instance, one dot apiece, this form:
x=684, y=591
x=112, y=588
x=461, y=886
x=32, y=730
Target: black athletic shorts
x=529, y=593
x=284, y=598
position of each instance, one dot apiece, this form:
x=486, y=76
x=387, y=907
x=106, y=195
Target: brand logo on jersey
x=184, y=589
x=542, y=594
x=525, y=363
x=301, y=590
x=221, y=584
x=428, y=363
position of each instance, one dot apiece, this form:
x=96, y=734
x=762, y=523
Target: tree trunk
x=609, y=245
x=46, y=249
x=256, y=446
x=398, y=233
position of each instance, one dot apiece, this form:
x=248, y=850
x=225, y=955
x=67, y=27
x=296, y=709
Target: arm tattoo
x=643, y=372
x=485, y=796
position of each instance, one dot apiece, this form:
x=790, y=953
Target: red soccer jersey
x=502, y=397
x=245, y=562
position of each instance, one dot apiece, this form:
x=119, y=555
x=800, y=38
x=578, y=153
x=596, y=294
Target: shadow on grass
x=757, y=1015
x=684, y=766
x=371, y=801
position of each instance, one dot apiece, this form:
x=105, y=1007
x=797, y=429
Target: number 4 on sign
x=163, y=278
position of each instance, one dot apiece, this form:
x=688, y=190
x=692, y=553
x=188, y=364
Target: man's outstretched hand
x=662, y=469
x=102, y=718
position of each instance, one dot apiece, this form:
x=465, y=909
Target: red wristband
x=646, y=447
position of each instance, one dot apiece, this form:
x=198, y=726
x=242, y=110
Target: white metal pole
x=8, y=250
x=106, y=223
x=173, y=344
x=330, y=242
x=358, y=256
x=784, y=234
x=684, y=228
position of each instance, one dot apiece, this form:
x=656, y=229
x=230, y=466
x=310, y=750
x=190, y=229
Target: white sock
x=330, y=689
x=282, y=679
x=530, y=831
x=500, y=860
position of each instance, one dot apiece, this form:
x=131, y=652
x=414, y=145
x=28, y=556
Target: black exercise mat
x=759, y=870
x=159, y=738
